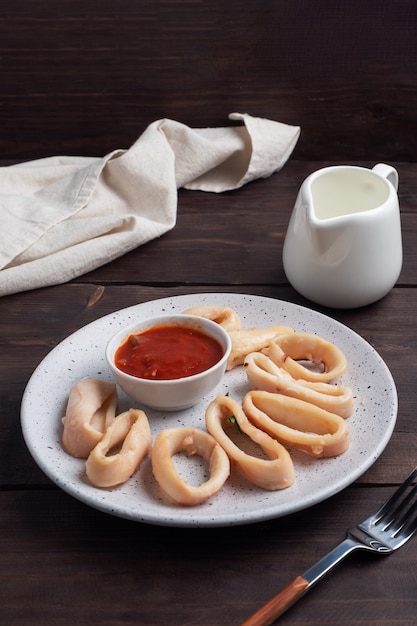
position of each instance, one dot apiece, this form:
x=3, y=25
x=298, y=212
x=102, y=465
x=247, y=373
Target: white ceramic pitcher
x=343, y=246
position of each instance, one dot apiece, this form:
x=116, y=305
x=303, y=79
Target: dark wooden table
x=63, y=563
x=86, y=77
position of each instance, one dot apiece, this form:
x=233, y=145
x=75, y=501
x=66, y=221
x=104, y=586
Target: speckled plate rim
x=81, y=355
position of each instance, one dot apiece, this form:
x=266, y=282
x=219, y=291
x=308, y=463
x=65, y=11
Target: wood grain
x=66, y=562
x=85, y=78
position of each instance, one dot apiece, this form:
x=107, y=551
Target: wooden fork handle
x=278, y=604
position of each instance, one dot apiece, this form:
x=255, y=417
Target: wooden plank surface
x=64, y=562
x=86, y=78
x=69, y=564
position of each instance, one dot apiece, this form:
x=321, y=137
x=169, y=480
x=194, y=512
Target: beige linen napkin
x=64, y=216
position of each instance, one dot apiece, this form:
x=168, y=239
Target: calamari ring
x=193, y=441
x=252, y=340
x=264, y=374
x=297, y=424
x=90, y=409
x=287, y=349
x=131, y=430
x=274, y=472
x=224, y=316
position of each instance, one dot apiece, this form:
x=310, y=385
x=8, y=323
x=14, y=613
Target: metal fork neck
x=367, y=540
x=320, y=569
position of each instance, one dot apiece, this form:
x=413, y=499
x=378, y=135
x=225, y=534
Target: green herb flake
x=234, y=421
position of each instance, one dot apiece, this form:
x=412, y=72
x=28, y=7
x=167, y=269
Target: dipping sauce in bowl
x=170, y=362
x=167, y=352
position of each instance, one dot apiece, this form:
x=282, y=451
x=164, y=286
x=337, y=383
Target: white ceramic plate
x=81, y=355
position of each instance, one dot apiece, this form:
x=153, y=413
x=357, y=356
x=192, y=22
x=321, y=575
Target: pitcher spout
x=325, y=240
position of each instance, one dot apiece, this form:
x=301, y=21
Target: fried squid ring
x=264, y=374
x=130, y=433
x=287, y=350
x=90, y=409
x=224, y=316
x=252, y=340
x=297, y=424
x=193, y=441
x=274, y=472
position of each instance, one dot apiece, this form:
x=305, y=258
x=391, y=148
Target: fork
x=382, y=533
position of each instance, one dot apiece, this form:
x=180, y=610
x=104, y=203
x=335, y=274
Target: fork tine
x=402, y=505
x=407, y=523
x=392, y=507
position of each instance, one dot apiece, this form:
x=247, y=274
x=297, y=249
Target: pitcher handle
x=388, y=172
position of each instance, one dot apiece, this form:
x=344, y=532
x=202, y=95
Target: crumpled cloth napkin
x=64, y=216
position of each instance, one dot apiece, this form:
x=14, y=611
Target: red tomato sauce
x=167, y=352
